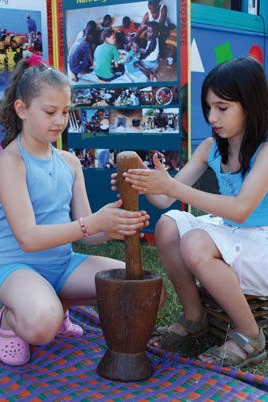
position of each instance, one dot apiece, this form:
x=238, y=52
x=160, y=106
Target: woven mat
x=65, y=370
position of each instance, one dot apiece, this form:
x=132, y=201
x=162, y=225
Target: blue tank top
x=49, y=182
x=230, y=184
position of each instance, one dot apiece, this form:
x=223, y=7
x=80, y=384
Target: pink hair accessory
x=35, y=60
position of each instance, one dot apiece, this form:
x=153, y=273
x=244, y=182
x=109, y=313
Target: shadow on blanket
x=65, y=370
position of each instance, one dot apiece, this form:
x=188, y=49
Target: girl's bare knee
x=166, y=232
x=42, y=325
x=194, y=249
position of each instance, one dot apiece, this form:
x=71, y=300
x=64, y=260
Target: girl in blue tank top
x=229, y=258
x=43, y=209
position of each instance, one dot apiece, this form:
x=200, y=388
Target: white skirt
x=245, y=249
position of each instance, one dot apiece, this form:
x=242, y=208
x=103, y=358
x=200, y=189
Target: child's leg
x=33, y=310
x=196, y=256
x=81, y=283
x=204, y=261
x=168, y=245
x=152, y=76
x=74, y=77
x=145, y=71
x=32, y=313
x=148, y=70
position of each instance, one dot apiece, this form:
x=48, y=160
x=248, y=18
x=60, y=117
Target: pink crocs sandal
x=14, y=351
x=68, y=329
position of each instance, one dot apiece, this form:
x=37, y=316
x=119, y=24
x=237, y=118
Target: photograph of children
x=160, y=120
x=122, y=43
x=91, y=158
x=87, y=120
x=125, y=121
x=146, y=96
x=102, y=97
x=95, y=158
x=20, y=35
x=82, y=50
x=128, y=97
x=169, y=159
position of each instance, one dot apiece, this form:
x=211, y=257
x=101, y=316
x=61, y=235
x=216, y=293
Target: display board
x=23, y=30
x=129, y=78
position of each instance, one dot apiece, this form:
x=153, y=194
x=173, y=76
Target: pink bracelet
x=83, y=227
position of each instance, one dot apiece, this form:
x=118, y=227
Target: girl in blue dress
x=43, y=209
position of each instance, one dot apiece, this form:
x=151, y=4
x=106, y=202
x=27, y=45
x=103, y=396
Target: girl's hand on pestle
x=151, y=181
x=114, y=183
x=113, y=219
x=114, y=175
x=116, y=236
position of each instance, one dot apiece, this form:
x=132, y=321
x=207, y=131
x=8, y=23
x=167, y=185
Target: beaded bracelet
x=83, y=227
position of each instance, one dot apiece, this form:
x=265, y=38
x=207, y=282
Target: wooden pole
x=129, y=160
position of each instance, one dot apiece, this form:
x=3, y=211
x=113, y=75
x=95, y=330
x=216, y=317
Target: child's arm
x=90, y=59
x=151, y=47
x=129, y=58
x=163, y=15
x=116, y=57
x=235, y=208
x=145, y=19
x=189, y=174
x=18, y=208
x=163, y=200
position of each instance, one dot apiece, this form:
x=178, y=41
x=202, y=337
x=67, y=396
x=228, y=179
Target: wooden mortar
x=127, y=299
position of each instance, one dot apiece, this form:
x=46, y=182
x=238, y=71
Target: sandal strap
x=250, y=345
x=223, y=356
x=193, y=327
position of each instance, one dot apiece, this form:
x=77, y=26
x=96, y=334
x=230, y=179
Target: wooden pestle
x=129, y=160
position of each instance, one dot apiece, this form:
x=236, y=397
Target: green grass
x=171, y=309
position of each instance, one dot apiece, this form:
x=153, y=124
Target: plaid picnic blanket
x=65, y=370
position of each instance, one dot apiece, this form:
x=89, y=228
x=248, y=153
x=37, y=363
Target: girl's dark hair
x=90, y=30
x=25, y=84
x=240, y=80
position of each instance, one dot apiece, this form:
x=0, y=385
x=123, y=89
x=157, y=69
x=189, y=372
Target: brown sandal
x=252, y=346
x=194, y=329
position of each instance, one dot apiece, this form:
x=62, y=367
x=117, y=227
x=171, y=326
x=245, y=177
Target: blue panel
x=229, y=18
x=208, y=39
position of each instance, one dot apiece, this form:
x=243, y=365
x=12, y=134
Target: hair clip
x=34, y=60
